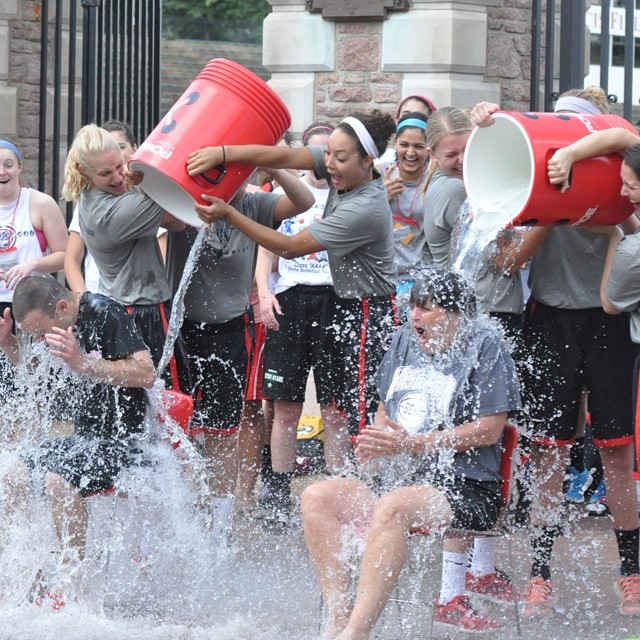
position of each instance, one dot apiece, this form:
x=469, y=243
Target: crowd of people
x=345, y=265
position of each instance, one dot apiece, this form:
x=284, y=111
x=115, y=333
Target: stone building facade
x=457, y=53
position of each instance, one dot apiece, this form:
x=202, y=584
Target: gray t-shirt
x=496, y=292
x=407, y=213
x=567, y=269
x=444, y=214
x=442, y=202
x=623, y=286
x=475, y=378
x=219, y=289
x=120, y=234
x=357, y=233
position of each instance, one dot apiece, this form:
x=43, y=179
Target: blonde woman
x=119, y=225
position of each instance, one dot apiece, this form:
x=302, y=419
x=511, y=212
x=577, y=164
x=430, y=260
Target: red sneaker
x=628, y=590
x=458, y=614
x=538, y=596
x=494, y=587
x=51, y=599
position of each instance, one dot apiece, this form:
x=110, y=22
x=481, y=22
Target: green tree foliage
x=253, y=10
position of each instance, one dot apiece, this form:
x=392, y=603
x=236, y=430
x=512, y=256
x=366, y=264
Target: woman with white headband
x=355, y=231
x=573, y=344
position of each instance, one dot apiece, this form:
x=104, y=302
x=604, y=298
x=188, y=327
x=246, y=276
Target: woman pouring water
x=355, y=231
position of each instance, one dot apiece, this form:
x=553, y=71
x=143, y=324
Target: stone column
x=325, y=69
x=440, y=48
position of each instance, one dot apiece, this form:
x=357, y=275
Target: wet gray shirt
x=442, y=202
x=407, y=213
x=474, y=379
x=120, y=234
x=219, y=288
x=357, y=233
x=444, y=212
x=623, y=286
x=567, y=269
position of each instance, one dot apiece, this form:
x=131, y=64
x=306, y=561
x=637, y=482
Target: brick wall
x=509, y=51
x=357, y=82
x=182, y=60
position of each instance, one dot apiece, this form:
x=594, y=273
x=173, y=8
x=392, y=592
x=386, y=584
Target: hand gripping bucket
x=226, y=104
x=505, y=172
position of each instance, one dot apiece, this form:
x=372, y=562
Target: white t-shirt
x=312, y=269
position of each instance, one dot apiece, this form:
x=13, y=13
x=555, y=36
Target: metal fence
x=120, y=77
x=570, y=16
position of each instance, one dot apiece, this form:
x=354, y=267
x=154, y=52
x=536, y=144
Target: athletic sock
x=266, y=470
x=542, y=539
x=483, y=560
x=628, y=545
x=454, y=566
x=281, y=490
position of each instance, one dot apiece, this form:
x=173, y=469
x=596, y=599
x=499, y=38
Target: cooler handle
x=222, y=172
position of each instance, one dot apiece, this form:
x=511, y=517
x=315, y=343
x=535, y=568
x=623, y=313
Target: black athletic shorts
x=571, y=349
x=151, y=320
x=364, y=327
x=91, y=465
x=219, y=356
x=305, y=340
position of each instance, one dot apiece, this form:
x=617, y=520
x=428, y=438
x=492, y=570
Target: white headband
x=575, y=104
x=363, y=135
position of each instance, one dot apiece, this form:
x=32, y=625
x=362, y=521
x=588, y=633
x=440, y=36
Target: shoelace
x=539, y=592
x=630, y=588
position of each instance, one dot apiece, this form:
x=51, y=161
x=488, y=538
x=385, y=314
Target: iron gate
x=120, y=72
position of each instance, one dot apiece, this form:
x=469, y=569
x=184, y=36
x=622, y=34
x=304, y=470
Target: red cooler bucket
x=505, y=172
x=226, y=104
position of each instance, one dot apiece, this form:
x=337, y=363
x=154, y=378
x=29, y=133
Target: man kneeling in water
x=96, y=338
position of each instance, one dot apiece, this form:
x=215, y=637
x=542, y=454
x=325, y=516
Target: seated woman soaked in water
x=447, y=385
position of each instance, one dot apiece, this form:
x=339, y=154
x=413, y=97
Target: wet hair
x=445, y=121
x=381, y=126
x=38, y=293
x=631, y=158
x=425, y=101
x=123, y=128
x=89, y=142
x=445, y=289
x=414, y=115
x=315, y=129
x=593, y=94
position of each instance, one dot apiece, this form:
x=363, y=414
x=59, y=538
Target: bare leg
x=393, y=516
x=621, y=489
x=286, y=416
x=548, y=466
x=16, y=497
x=327, y=508
x=70, y=516
x=250, y=441
x=337, y=445
x=222, y=454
